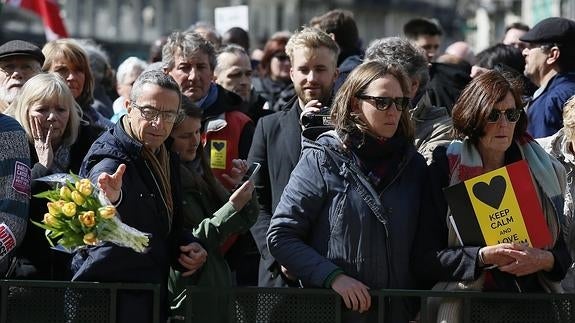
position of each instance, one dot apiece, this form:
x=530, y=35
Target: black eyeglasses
x=382, y=103
x=151, y=114
x=512, y=115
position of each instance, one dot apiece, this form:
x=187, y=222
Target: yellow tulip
x=90, y=238
x=54, y=208
x=107, y=212
x=50, y=220
x=65, y=193
x=84, y=186
x=69, y=209
x=88, y=219
x=78, y=198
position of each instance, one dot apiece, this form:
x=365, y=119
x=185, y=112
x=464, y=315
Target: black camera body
x=317, y=119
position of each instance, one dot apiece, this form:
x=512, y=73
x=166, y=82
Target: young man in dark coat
x=277, y=140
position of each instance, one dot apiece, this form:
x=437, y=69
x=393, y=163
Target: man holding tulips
x=131, y=165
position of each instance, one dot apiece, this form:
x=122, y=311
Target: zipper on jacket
x=162, y=196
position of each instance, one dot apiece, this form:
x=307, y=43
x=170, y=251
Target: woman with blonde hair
x=58, y=142
x=67, y=59
x=348, y=215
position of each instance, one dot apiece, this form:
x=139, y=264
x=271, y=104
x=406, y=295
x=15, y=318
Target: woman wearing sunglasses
x=348, y=215
x=491, y=126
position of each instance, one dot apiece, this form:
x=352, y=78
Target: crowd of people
x=354, y=145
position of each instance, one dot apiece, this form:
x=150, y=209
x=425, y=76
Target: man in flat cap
x=550, y=65
x=19, y=61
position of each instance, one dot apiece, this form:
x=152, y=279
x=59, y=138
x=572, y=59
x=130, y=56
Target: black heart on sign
x=492, y=193
x=218, y=145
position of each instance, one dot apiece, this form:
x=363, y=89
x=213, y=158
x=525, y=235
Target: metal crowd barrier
x=83, y=302
x=321, y=305
x=66, y=302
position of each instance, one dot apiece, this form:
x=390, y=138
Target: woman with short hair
x=491, y=127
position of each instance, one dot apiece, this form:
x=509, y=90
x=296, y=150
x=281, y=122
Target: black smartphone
x=252, y=171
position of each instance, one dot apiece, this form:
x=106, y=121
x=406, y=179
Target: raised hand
x=234, y=178
x=111, y=185
x=42, y=143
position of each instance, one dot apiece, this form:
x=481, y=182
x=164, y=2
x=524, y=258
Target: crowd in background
x=354, y=146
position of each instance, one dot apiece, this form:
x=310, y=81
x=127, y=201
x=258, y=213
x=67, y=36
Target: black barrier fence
x=321, y=305
x=49, y=301
x=66, y=302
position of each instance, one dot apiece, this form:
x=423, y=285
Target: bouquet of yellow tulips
x=79, y=215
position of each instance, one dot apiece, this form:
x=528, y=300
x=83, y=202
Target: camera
x=317, y=119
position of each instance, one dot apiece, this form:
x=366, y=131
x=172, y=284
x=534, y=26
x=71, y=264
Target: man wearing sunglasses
x=432, y=124
x=549, y=64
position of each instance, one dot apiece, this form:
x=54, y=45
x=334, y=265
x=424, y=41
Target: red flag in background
x=49, y=11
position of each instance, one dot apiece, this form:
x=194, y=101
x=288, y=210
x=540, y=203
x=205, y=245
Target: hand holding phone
x=251, y=172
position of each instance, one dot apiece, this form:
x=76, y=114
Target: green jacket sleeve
x=226, y=221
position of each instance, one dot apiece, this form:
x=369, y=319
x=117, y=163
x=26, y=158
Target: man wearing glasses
x=19, y=61
x=549, y=64
x=136, y=172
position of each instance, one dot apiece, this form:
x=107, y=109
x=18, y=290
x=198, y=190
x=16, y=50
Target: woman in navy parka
x=347, y=217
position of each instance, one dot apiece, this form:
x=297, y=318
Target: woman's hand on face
x=354, y=293
x=242, y=195
x=111, y=185
x=527, y=260
x=42, y=142
x=239, y=169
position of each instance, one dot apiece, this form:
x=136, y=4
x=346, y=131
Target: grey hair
x=187, y=43
x=400, y=51
x=129, y=65
x=229, y=49
x=156, y=77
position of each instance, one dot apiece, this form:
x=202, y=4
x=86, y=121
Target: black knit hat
x=21, y=48
x=551, y=30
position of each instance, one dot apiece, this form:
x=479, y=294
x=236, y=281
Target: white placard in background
x=228, y=17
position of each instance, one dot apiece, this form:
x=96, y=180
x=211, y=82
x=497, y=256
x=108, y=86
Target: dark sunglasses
x=382, y=103
x=512, y=115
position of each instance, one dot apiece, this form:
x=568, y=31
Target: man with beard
x=277, y=144
x=19, y=61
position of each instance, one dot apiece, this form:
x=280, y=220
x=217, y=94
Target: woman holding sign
x=348, y=215
x=491, y=126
